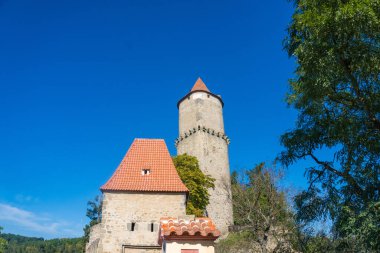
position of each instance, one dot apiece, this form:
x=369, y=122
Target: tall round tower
x=201, y=134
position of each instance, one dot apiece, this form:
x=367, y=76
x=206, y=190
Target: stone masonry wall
x=120, y=209
x=201, y=109
x=211, y=149
x=96, y=232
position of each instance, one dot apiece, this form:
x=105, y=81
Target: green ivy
x=197, y=183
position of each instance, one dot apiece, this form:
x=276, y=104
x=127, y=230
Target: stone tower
x=201, y=134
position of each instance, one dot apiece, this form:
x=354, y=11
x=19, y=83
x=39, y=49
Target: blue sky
x=79, y=80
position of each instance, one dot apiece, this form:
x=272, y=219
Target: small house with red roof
x=187, y=235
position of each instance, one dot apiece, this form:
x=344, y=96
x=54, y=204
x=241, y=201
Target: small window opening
x=145, y=172
x=133, y=226
x=152, y=227
x=208, y=95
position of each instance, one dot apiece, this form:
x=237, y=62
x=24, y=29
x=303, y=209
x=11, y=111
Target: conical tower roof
x=147, y=166
x=200, y=86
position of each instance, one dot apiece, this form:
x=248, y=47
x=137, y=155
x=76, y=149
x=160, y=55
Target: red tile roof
x=150, y=154
x=188, y=229
x=200, y=85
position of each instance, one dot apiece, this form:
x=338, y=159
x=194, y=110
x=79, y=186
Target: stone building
x=201, y=130
x=146, y=187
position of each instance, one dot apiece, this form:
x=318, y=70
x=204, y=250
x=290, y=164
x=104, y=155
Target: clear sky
x=79, y=80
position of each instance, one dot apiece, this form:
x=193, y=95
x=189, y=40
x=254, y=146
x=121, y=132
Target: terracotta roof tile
x=198, y=228
x=199, y=85
x=152, y=155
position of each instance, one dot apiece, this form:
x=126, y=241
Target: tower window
x=145, y=172
x=152, y=227
x=133, y=226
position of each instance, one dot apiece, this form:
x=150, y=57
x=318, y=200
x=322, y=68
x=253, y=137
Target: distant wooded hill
x=24, y=244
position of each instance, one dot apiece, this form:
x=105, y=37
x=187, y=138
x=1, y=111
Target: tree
x=197, y=183
x=94, y=209
x=336, y=90
x=319, y=243
x=3, y=242
x=21, y=244
x=94, y=213
x=260, y=208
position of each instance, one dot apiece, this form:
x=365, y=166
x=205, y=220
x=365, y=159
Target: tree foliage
x=256, y=198
x=198, y=183
x=336, y=90
x=260, y=209
x=318, y=243
x=94, y=213
x=3, y=242
x=94, y=209
x=23, y=244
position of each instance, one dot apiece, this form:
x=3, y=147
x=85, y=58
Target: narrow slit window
x=145, y=172
x=133, y=226
x=152, y=227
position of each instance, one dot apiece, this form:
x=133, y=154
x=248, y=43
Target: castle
x=145, y=189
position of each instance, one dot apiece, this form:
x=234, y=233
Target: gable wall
x=122, y=208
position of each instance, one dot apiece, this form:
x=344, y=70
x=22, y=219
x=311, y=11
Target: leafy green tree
x=319, y=243
x=23, y=244
x=3, y=242
x=94, y=209
x=197, y=183
x=336, y=90
x=260, y=211
x=94, y=213
x=363, y=228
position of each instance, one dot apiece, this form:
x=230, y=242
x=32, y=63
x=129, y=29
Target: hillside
x=24, y=244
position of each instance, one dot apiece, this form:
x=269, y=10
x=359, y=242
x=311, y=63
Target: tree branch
x=345, y=175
